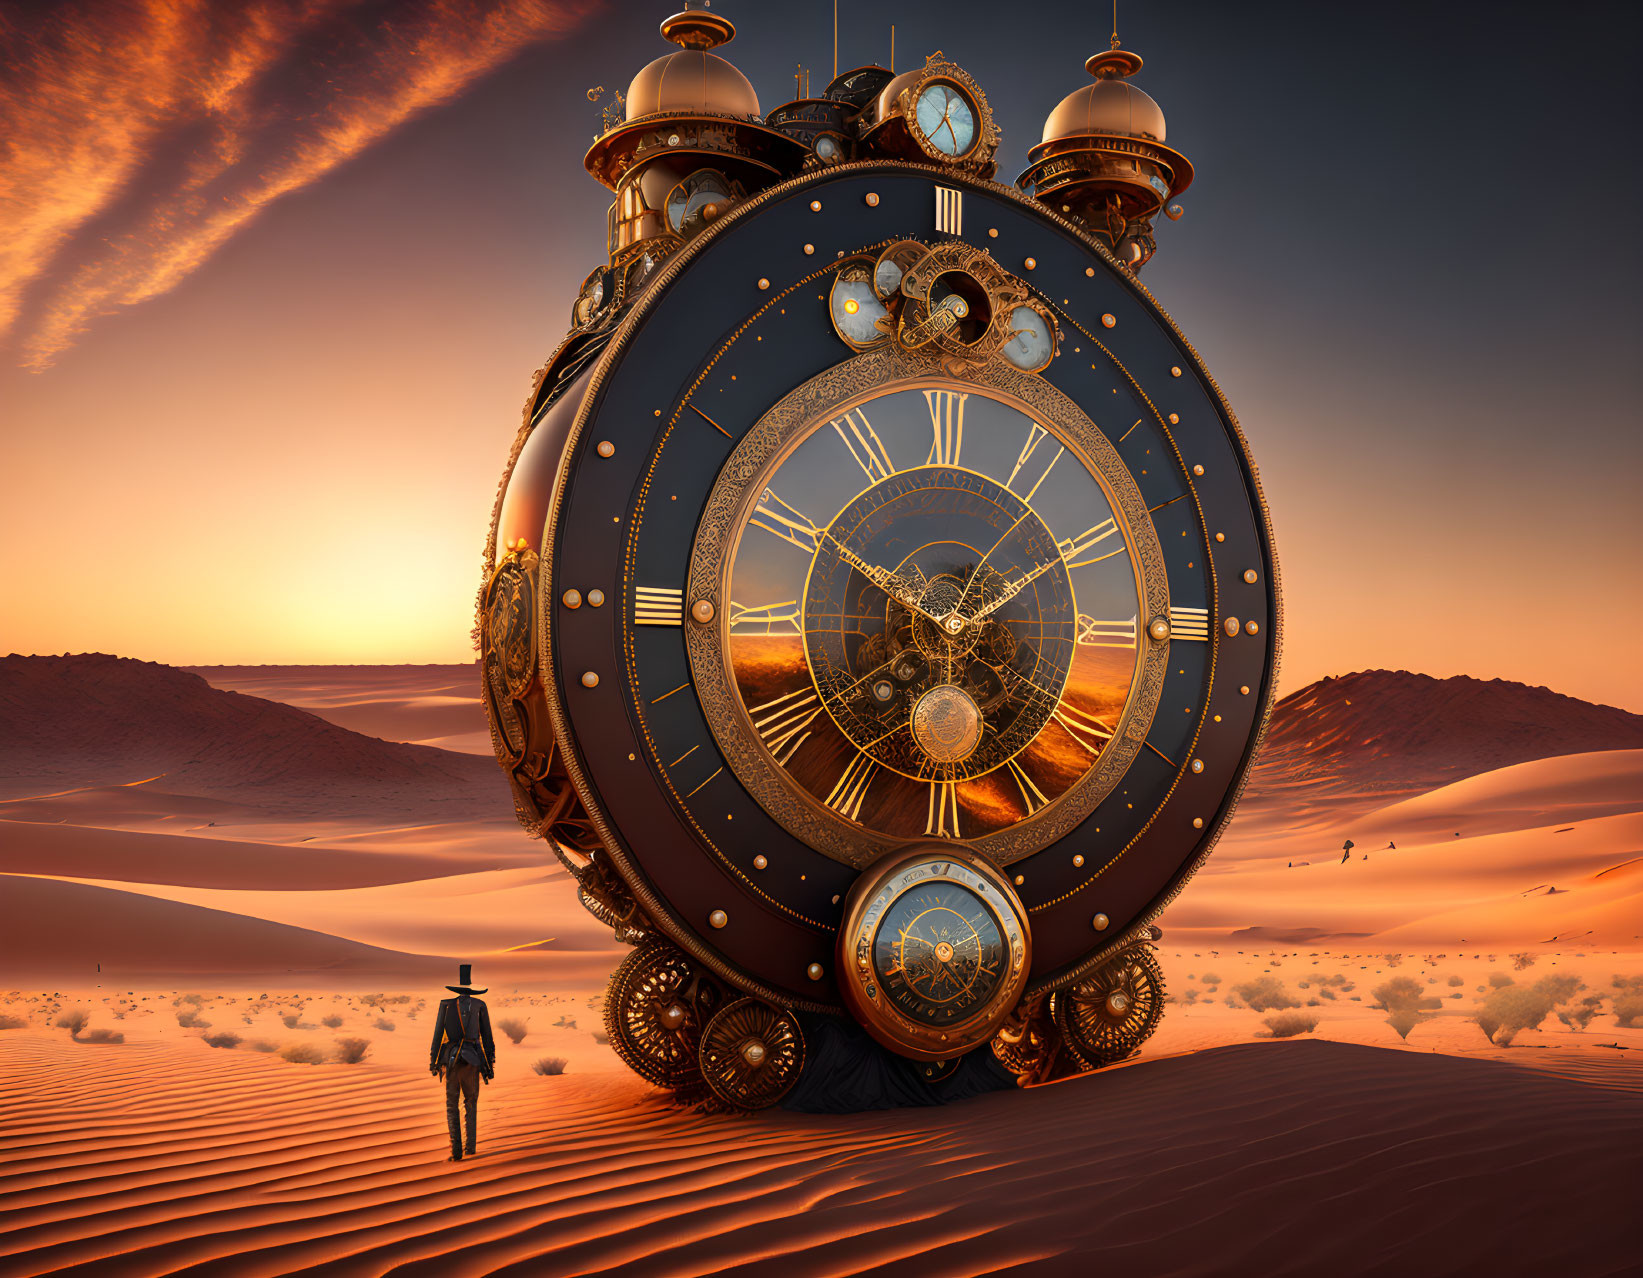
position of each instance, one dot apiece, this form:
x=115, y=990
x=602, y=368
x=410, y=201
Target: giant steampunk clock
x=881, y=609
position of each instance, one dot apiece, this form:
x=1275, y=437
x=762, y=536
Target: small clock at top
x=946, y=118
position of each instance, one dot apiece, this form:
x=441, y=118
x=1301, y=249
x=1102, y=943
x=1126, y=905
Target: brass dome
x=692, y=81
x=1108, y=106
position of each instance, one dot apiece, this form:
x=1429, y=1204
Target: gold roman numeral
x=766, y=619
x=1036, y=435
x=1189, y=623
x=864, y=444
x=1106, y=634
x=847, y=795
x=949, y=210
x=783, y=724
x=1031, y=795
x=658, y=606
x=1083, y=728
x=789, y=523
x=942, y=820
x=1076, y=550
x=946, y=426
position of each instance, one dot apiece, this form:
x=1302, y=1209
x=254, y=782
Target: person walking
x=463, y=1052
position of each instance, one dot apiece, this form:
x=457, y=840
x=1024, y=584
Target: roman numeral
x=851, y=789
x=1189, y=623
x=789, y=523
x=1031, y=795
x=1076, y=550
x=942, y=820
x=946, y=426
x=1083, y=728
x=1106, y=634
x=864, y=444
x=1036, y=435
x=658, y=606
x=949, y=210
x=767, y=619
x=783, y=724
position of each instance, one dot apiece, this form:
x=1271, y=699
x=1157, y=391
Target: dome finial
x=698, y=29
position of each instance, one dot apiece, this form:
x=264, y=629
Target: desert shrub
x=74, y=1021
x=262, y=1045
x=1499, y=980
x=550, y=1065
x=599, y=1036
x=1455, y=980
x=1326, y=992
x=1190, y=997
x=351, y=1051
x=224, y=1039
x=1560, y=988
x=291, y=1019
x=1627, y=1008
x=564, y=1022
x=1210, y=978
x=102, y=1036
x=1512, y=1009
x=514, y=1028
x=302, y=1054
x=196, y=999
x=1578, y=1018
x=384, y=1024
x=1523, y=960
x=1392, y=960
x=189, y=1018
x=1314, y=1002
x=1399, y=994
x=1265, y=994
x=12, y=1022
x=1289, y=1024
x=1404, y=1019
x=331, y=1022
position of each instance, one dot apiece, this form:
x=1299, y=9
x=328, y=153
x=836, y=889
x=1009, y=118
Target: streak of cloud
x=139, y=137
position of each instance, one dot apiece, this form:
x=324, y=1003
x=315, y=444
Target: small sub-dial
x=939, y=623
x=939, y=954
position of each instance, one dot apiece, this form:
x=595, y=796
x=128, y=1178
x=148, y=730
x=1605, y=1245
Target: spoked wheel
x=652, y=1017
x=751, y=1054
x=1110, y=1013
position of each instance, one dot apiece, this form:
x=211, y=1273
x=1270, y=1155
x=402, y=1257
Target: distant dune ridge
x=91, y=719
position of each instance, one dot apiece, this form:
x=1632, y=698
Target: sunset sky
x=274, y=278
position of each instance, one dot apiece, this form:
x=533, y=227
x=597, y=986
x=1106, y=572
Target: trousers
x=462, y=1079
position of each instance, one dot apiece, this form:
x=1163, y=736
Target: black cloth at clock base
x=846, y=1071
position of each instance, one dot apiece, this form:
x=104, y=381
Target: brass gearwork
x=655, y=1007
x=1106, y=1017
x=751, y=1054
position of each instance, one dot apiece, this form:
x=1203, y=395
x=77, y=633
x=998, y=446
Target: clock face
x=946, y=117
x=933, y=614
x=938, y=953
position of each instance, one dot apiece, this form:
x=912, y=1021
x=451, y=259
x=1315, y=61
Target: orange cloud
x=142, y=136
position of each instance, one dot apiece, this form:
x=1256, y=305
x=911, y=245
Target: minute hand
x=1013, y=589
x=896, y=587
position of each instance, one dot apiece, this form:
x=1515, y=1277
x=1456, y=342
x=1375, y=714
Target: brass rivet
x=1175, y=419
x=571, y=599
x=1020, y=879
x=1220, y=536
x=815, y=206
x=590, y=679
x=814, y=971
x=1251, y=628
x=1031, y=264
x=718, y=918
x=809, y=249
x=760, y=861
x=1174, y=371
x=1078, y=859
x=1197, y=470
x=1197, y=765
x=1250, y=576
x=596, y=598
x=835, y=898
x=1231, y=624
x=1244, y=691
x=1197, y=823
x=1217, y=718
x=764, y=283
x=992, y=232
x=656, y=412
x=606, y=448
x=1159, y=629
x=872, y=198
x=1090, y=271
x=1100, y=922
x=702, y=610
x=1109, y=320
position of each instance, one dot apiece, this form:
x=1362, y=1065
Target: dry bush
x=224, y=1039
x=351, y=1051
x=550, y=1065
x=1210, y=978
x=74, y=1021
x=1523, y=960
x=1399, y=994
x=1392, y=960
x=1289, y=1024
x=1560, y=988
x=1510, y=1010
x=302, y=1054
x=1578, y=1018
x=196, y=999
x=189, y=1018
x=331, y=1022
x=385, y=1025
x=1190, y=997
x=1455, y=980
x=1627, y=1009
x=1265, y=994
x=564, y=1022
x=291, y=1019
x=599, y=1036
x=262, y=1045
x=1404, y=1019
x=1499, y=980
x=1326, y=992
x=102, y=1036
x=514, y=1028
x=12, y=1022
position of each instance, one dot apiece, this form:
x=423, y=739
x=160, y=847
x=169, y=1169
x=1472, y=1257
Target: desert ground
x=234, y=896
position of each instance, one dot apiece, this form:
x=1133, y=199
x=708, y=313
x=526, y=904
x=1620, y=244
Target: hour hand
x=1012, y=589
x=898, y=588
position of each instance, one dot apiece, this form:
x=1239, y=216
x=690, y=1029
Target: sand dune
x=1289, y=1158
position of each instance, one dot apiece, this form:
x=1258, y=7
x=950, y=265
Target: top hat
x=465, y=972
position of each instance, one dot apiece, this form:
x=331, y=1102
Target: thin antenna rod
x=893, y=46
x=1115, y=23
x=836, y=37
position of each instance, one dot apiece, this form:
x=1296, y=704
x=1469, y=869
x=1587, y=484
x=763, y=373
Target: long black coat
x=462, y=1029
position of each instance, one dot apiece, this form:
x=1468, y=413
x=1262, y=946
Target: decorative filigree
x=751, y=1054
x=1108, y=1015
x=979, y=158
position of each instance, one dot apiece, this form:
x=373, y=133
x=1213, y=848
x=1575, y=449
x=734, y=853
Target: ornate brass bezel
x=879, y=888
x=937, y=70
x=742, y=479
